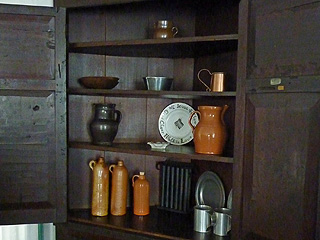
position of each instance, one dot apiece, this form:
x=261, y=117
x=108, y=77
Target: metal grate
x=175, y=185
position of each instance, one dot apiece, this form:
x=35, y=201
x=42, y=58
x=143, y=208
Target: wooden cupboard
x=269, y=52
x=116, y=40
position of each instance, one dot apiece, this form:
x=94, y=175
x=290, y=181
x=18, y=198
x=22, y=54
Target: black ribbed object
x=175, y=185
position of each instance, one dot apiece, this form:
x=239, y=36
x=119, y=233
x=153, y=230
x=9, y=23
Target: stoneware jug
x=100, y=187
x=210, y=133
x=104, y=126
x=119, y=188
x=141, y=195
x=164, y=29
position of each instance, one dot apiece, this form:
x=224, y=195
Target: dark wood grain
x=33, y=115
x=282, y=170
x=171, y=151
x=277, y=31
x=176, y=47
x=158, y=225
x=85, y=3
x=150, y=94
x=276, y=175
x=27, y=46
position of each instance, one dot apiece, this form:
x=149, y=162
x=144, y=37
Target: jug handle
x=134, y=176
x=190, y=118
x=207, y=87
x=119, y=116
x=225, y=107
x=111, y=167
x=92, y=163
x=174, y=30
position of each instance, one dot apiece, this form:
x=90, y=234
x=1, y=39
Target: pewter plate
x=229, y=201
x=210, y=190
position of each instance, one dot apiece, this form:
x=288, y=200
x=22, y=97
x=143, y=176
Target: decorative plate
x=210, y=190
x=174, y=125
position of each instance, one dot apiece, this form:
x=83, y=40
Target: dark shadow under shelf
x=149, y=94
x=172, y=151
x=159, y=224
x=162, y=48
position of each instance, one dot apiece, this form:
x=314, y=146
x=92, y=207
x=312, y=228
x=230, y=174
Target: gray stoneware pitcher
x=104, y=126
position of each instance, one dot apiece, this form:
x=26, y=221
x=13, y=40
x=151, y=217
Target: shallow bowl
x=158, y=83
x=99, y=82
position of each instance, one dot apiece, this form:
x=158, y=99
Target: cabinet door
x=32, y=115
x=281, y=166
x=276, y=170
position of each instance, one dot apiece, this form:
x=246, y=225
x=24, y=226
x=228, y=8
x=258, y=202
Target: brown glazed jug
x=210, y=133
x=119, y=189
x=100, y=187
x=141, y=195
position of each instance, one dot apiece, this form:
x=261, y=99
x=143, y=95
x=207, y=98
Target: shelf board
x=162, y=48
x=172, y=151
x=159, y=224
x=149, y=94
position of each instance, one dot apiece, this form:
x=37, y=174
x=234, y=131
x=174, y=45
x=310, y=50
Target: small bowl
x=159, y=146
x=99, y=82
x=158, y=83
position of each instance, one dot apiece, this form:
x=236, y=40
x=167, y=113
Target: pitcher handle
x=134, y=176
x=225, y=107
x=207, y=87
x=92, y=163
x=175, y=30
x=190, y=118
x=119, y=116
x=111, y=167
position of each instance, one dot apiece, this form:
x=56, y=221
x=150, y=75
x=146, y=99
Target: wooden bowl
x=99, y=82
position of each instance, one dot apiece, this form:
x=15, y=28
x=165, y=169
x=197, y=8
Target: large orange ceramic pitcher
x=210, y=133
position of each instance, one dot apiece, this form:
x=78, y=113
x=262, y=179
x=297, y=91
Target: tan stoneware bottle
x=210, y=134
x=119, y=189
x=100, y=187
x=141, y=195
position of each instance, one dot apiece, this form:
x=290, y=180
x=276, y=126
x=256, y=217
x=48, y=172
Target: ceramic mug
x=164, y=29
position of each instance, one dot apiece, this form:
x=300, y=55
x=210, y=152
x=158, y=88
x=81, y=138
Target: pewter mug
x=202, y=218
x=221, y=221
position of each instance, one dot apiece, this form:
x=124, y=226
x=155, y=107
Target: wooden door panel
x=32, y=115
x=283, y=38
x=27, y=45
x=281, y=169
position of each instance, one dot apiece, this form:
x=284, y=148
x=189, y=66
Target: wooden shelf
x=149, y=94
x=162, y=48
x=159, y=224
x=172, y=151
